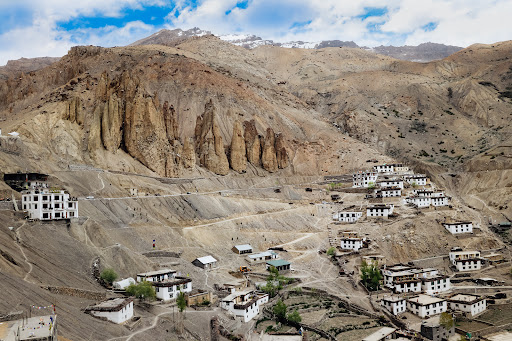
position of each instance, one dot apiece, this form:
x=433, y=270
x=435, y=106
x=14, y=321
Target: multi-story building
x=467, y=303
x=385, y=168
x=169, y=289
x=388, y=192
x=394, y=304
x=379, y=210
x=465, y=260
x=387, y=183
x=404, y=278
x=459, y=227
x=417, y=179
x=49, y=204
x=347, y=217
x=244, y=304
x=419, y=202
x=364, y=179
x=433, y=285
x=156, y=276
x=440, y=201
x=351, y=241
x=424, y=305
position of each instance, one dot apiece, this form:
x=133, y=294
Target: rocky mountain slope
x=23, y=65
x=422, y=53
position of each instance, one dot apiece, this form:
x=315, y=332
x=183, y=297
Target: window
x=24, y=206
x=57, y=215
x=70, y=205
x=45, y=215
x=45, y=197
x=35, y=206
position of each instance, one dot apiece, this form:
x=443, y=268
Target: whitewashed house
x=347, y=216
x=465, y=260
x=168, y=290
x=467, y=303
x=242, y=249
x=430, y=194
x=388, y=192
x=391, y=183
x=394, y=304
x=385, y=168
x=350, y=240
x=262, y=256
x=364, y=179
x=117, y=310
x=419, y=202
x=379, y=210
x=399, y=168
x=48, y=204
x=459, y=227
x=384, y=333
x=425, y=306
x=404, y=278
x=433, y=285
x=244, y=304
x=440, y=201
x=156, y=276
x=417, y=180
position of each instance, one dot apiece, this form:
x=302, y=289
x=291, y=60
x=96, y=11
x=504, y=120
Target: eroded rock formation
x=238, y=155
x=252, y=143
x=268, y=157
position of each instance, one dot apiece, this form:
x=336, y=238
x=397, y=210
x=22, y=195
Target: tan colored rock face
x=171, y=121
x=189, y=154
x=268, y=157
x=238, y=156
x=111, y=123
x=252, y=143
x=283, y=160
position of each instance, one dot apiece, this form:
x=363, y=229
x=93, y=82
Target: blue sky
x=30, y=28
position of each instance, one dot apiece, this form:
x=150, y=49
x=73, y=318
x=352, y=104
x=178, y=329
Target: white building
x=352, y=243
x=385, y=333
x=467, y=303
x=385, y=168
x=430, y=194
x=420, y=202
x=388, y=192
x=399, y=168
x=440, y=201
x=242, y=249
x=123, y=283
x=262, y=256
x=117, y=310
x=169, y=289
x=424, y=305
x=387, y=183
x=156, y=276
x=394, y=304
x=206, y=262
x=379, y=210
x=364, y=179
x=244, y=304
x=404, y=278
x=347, y=217
x=465, y=260
x=49, y=204
x=433, y=285
x=459, y=227
x=416, y=180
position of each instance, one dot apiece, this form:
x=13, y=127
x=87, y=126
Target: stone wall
x=87, y=294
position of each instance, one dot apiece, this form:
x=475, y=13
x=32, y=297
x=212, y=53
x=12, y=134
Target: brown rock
x=73, y=112
x=252, y=143
x=238, y=156
x=268, y=157
x=283, y=160
x=211, y=147
x=111, y=123
x=171, y=121
x=189, y=154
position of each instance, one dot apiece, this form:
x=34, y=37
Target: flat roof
x=156, y=272
x=234, y=295
x=278, y=262
x=31, y=329
x=465, y=298
x=114, y=304
x=206, y=259
x=458, y=223
x=425, y=299
x=464, y=252
x=262, y=254
x=393, y=298
x=380, y=334
x=243, y=247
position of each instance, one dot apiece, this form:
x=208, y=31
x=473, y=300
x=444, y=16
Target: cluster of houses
x=425, y=285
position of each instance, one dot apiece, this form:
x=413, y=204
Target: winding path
x=18, y=243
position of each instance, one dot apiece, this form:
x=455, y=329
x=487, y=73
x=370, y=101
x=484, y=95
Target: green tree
x=181, y=302
x=280, y=310
x=371, y=185
x=331, y=251
x=446, y=320
x=294, y=316
x=371, y=275
x=143, y=290
x=108, y=276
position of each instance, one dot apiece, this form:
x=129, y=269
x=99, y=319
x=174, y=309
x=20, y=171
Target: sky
x=35, y=28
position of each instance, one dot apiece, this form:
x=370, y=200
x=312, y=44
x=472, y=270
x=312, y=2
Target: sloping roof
x=278, y=262
x=206, y=259
x=243, y=247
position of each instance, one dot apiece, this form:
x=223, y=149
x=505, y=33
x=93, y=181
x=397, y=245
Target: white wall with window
x=48, y=204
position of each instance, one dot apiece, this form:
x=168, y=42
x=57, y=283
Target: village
x=445, y=297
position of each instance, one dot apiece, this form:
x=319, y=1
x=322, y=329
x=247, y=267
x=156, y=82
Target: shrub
x=108, y=275
x=143, y=290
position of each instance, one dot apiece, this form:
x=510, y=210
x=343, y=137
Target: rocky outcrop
x=111, y=123
x=268, y=157
x=252, y=143
x=171, y=121
x=73, y=111
x=211, y=148
x=238, y=155
x=189, y=154
x=283, y=160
